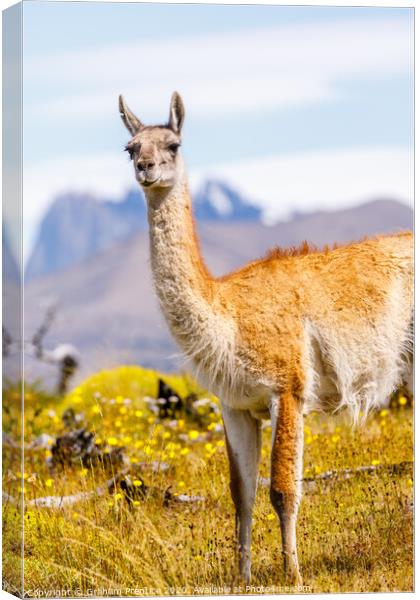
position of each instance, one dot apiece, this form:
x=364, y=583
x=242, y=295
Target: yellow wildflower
x=112, y=441
x=83, y=472
x=375, y=462
x=117, y=496
x=384, y=412
x=193, y=434
x=137, y=483
x=138, y=413
x=49, y=482
x=123, y=410
x=402, y=400
x=185, y=451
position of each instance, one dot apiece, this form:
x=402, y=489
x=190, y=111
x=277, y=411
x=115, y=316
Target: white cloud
x=212, y=96
x=241, y=71
x=281, y=184
x=319, y=180
x=104, y=175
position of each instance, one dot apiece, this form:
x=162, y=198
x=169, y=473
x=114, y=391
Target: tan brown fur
x=283, y=471
x=313, y=284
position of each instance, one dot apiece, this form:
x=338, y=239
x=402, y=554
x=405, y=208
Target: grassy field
x=354, y=534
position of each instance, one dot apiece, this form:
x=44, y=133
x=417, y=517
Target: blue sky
x=298, y=107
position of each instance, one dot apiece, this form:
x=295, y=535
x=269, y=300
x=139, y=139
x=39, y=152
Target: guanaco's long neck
x=183, y=284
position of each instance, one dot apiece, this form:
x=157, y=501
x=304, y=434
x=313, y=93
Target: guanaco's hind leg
x=286, y=470
x=243, y=441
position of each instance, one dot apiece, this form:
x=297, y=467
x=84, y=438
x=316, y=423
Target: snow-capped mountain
x=216, y=201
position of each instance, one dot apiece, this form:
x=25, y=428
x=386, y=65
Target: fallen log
x=119, y=481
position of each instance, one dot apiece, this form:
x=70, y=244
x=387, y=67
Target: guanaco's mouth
x=149, y=183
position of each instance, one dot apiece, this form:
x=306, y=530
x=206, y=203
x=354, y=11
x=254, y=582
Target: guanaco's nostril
x=142, y=166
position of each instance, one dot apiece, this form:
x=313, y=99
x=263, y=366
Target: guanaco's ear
x=176, y=113
x=130, y=120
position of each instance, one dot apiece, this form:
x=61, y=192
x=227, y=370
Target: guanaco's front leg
x=243, y=441
x=286, y=470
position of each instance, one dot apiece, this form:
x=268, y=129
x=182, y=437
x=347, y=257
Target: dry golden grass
x=354, y=534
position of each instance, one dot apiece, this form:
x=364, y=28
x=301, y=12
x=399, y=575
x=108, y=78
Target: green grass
x=354, y=534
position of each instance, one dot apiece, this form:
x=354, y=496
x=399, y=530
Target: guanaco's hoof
x=293, y=578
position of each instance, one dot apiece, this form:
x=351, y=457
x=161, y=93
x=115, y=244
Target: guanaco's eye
x=173, y=147
x=131, y=150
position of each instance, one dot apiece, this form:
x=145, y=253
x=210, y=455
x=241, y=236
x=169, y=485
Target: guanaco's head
x=154, y=149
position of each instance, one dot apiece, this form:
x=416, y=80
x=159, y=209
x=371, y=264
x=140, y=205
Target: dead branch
x=342, y=474
x=42, y=331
